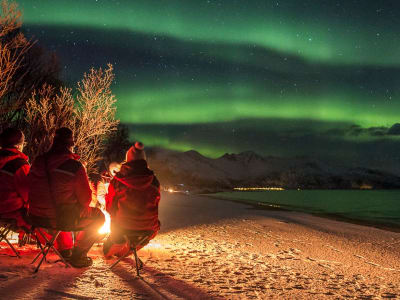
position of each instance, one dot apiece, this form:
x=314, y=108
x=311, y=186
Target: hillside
x=248, y=169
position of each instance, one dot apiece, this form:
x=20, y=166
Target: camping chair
x=134, y=240
x=49, y=245
x=6, y=226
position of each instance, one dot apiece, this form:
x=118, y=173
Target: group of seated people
x=54, y=193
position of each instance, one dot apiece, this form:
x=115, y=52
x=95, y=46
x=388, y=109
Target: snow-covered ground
x=214, y=249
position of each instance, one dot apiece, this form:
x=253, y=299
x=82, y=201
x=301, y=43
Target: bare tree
x=24, y=67
x=30, y=92
x=94, y=115
x=91, y=116
x=13, y=46
x=46, y=111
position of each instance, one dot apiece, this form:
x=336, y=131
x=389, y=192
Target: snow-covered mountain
x=248, y=169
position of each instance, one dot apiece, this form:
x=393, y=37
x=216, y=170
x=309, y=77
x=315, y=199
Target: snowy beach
x=215, y=249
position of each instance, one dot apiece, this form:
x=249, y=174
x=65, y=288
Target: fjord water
x=380, y=207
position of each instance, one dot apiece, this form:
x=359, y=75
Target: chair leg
x=60, y=256
x=132, y=247
x=3, y=233
x=13, y=249
x=51, y=245
x=37, y=256
x=42, y=249
x=3, y=236
x=3, y=230
x=136, y=261
x=45, y=250
x=121, y=258
x=38, y=244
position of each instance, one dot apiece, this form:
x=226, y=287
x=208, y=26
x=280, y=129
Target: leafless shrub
x=94, y=115
x=13, y=46
x=10, y=18
x=30, y=92
x=46, y=111
x=91, y=116
x=24, y=67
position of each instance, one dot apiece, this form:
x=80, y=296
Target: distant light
x=258, y=189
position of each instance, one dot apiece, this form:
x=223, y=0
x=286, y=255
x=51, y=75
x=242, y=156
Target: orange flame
x=106, y=228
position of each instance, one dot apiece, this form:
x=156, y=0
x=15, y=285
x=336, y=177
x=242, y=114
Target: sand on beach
x=215, y=249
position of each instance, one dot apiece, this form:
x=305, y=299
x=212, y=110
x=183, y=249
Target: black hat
x=64, y=137
x=11, y=137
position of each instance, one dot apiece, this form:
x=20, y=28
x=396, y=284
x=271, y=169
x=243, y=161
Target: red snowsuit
x=133, y=197
x=69, y=185
x=132, y=201
x=14, y=169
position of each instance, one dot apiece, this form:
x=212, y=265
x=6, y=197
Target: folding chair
x=45, y=250
x=6, y=226
x=134, y=240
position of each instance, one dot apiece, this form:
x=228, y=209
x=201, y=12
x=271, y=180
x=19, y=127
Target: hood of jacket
x=135, y=174
x=9, y=154
x=54, y=159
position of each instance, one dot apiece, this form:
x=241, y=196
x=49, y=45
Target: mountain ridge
x=249, y=169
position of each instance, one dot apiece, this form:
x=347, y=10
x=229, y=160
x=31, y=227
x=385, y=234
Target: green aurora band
x=196, y=74
x=326, y=31
x=206, y=106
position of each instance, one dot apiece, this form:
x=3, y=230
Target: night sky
x=285, y=78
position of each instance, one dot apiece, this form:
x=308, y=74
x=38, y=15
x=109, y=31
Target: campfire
x=106, y=228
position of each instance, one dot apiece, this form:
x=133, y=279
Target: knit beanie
x=11, y=137
x=136, y=152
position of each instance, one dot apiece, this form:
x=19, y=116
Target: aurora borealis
x=282, y=78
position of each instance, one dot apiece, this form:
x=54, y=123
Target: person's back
x=132, y=199
x=14, y=168
x=60, y=195
x=137, y=194
x=13, y=165
x=60, y=175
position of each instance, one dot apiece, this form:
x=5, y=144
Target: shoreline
x=335, y=217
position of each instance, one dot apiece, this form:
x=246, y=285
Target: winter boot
x=79, y=259
x=66, y=253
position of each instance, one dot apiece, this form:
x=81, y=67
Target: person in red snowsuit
x=14, y=169
x=59, y=197
x=132, y=200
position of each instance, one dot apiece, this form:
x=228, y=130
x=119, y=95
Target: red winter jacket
x=69, y=183
x=133, y=197
x=14, y=169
